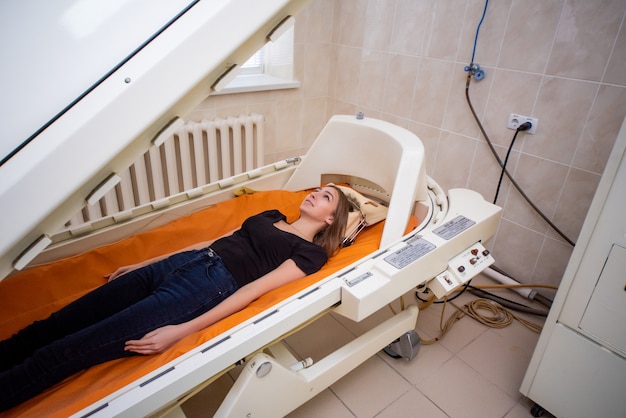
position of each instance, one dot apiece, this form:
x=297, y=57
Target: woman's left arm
x=162, y=338
x=126, y=269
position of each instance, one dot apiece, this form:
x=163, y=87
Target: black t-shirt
x=259, y=247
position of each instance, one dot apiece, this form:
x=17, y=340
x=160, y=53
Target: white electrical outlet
x=516, y=120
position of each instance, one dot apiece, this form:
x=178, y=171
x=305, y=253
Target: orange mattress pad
x=35, y=293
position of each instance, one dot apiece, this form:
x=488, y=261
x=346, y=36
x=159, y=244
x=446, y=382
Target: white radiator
x=197, y=154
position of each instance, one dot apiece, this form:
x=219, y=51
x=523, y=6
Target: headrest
x=366, y=212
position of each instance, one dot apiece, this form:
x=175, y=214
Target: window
x=255, y=64
x=270, y=68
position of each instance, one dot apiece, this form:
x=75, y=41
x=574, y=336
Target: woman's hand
x=126, y=269
x=121, y=271
x=156, y=341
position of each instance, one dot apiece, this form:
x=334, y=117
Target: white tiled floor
x=474, y=371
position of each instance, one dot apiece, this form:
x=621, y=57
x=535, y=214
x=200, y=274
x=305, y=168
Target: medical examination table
x=442, y=249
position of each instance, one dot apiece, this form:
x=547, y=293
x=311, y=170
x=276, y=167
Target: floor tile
x=499, y=360
x=461, y=392
x=523, y=410
x=412, y=404
x=207, y=401
x=326, y=404
x=428, y=360
x=319, y=339
x=370, y=388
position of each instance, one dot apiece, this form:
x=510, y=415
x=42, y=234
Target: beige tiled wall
x=561, y=61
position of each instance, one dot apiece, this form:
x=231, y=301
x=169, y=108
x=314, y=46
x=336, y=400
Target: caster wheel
x=537, y=411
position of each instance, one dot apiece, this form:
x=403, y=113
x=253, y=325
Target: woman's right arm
x=162, y=338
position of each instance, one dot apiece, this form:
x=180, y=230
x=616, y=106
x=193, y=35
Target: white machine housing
x=75, y=158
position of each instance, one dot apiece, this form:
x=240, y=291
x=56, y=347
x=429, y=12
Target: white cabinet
x=606, y=311
x=578, y=368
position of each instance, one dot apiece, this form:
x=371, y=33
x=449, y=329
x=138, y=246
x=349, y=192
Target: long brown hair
x=330, y=238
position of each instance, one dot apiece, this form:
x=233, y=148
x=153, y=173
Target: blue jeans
x=94, y=328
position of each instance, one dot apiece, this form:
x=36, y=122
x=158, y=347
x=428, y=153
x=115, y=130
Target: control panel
x=453, y=247
x=461, y=269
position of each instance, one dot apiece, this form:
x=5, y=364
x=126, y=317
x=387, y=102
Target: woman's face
x=321, y=204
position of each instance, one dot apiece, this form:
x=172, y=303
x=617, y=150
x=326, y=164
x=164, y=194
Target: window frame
x=274, y=69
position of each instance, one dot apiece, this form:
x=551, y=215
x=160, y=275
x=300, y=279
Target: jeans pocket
x=186, y=260
x=221, y=279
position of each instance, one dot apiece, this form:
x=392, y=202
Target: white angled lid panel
x=50, y=61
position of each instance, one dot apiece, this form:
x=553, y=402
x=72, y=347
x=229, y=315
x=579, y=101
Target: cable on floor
x=433, y=299
x=495, y=304
x=516, y=286
x=496, y=317
x=538, y=296
x=507, y=303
